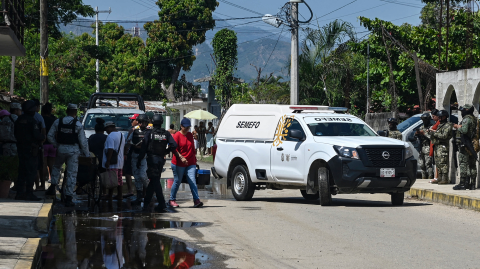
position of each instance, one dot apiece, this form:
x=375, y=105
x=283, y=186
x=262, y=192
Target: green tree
x=225, y=53
x=171, y=38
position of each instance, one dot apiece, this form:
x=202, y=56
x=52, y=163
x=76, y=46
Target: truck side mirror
x=297, y=134
x=382, y=133
x=411, y=137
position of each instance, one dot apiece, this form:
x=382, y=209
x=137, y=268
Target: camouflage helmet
x=142, y=118
x=467, y=108
x=434, y=112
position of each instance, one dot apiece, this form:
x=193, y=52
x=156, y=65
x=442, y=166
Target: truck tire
x=397, y=198
x=309, y=197
x=242, y=187
x=323, y=186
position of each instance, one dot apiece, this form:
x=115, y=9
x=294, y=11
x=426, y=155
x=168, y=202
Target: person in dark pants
x=155, y=145
x=29, y=138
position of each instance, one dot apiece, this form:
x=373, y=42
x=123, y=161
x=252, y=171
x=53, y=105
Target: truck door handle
x=279, y=149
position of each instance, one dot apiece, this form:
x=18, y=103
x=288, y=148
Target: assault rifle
x=467, y=142
x=455, y=148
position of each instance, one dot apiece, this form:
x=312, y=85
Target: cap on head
x=466, y=108
x=157, y=119
x=109, y=124
x=134, y=117
x=15, y=106
x=4, y=113
x=425, y=116
x=434, y=112
x=29, y=106
x=186, y=122
x=142, y=118
x=72, y=107
x=392, y=120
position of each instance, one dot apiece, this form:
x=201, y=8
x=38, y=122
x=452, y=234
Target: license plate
x=387, y=172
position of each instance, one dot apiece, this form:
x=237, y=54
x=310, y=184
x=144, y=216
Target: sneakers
x=172, y=203
x=161, y=209
x=197, y=203
x=51, y=190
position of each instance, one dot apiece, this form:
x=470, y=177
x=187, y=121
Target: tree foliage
x=171, y=38
x=225, y=53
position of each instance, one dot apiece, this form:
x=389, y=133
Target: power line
x=137, y=21
x=334, y=10
x=240, y=7
x=402, y=3
x=280, y=35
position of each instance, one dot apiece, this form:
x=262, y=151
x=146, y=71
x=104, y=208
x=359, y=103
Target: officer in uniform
x=424, y=159
x=155, y=145
x=67, y=135
x=468, y=168
x=139, y=171
x=7, y=139
x=441, y=139
x=29, y=137
x=393, y=132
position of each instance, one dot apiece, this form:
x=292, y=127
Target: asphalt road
x=279, y=229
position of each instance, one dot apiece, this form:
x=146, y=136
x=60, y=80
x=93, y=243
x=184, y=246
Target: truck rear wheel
x=397, y=198
x=324, y=186
x=309, y=197
x=242, y=187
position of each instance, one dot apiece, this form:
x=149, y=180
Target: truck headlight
x=408, y=152
x=346, y=152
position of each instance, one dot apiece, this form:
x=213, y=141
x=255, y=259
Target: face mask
x=464, y=113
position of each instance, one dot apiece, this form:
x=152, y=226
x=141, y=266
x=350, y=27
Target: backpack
x=476, y=137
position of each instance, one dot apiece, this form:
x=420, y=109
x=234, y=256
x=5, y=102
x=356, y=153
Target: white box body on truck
x=310, y=148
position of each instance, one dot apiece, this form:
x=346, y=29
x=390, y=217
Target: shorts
x=49, y=151
x=127, y=165
x=119, y=175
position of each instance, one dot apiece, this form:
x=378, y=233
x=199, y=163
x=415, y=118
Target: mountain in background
x=255, y=45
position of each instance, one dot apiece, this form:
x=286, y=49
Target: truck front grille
x=377, y=159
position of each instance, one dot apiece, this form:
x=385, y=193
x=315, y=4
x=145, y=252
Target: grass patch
x=206, y=159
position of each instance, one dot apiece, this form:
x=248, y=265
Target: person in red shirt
x=186, y=165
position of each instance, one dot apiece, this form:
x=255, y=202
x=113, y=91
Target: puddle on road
x=100, y=241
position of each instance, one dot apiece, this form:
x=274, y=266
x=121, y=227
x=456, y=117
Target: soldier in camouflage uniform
x=468, y=165
x=139, y=171
x=155, y=145
x=424, y=159
x=67, y=135
x=441, y=140
x=7, y=137
x=393, y=132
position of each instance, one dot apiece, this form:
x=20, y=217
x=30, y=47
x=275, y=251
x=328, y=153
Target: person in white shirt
x=115, y=142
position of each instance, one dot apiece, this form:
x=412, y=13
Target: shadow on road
x=339, y=202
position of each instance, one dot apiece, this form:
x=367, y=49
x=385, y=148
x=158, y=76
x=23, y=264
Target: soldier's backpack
x=6, y=130
x=476, y=137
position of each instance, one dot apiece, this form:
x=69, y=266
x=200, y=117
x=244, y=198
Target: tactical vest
x=25, y=126
x=6, y=130
x=158, y=142
x=138, y=136
x=66, y=132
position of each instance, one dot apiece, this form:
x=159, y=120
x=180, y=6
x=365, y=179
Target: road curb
x=461, y=201
x=42, y=223
x=32, y=249
x=29, y=254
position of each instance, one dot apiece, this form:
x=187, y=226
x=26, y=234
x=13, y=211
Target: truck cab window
x=295, y=125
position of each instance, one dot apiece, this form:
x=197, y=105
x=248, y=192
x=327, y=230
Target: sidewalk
x=22, y=223
x=444, y=194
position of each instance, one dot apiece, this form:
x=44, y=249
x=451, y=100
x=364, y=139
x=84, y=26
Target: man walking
x=465, y=134
x=7, y=135
x=441, y=139
x=139, y=171
x=67, y=135
x=29, y=137
x=424, y=159
x=393, y=132
x=155, y=146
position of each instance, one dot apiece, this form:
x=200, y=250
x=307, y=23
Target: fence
x=378, y=121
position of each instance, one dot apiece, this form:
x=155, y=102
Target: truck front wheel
x=397, y=198
x=242, y=187
x=324, y=186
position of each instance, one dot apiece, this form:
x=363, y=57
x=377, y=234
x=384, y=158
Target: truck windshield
x=122, y=121
x=340, y=129
x=407, y=123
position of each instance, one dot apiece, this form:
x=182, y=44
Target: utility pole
x=97, y=65
x=43, y=53
x=368, y=76
x=294, y=81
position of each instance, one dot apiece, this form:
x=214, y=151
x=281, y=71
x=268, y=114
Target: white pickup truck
x=310, y=148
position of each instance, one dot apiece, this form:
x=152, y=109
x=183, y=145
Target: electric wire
x=280, y=35
x=240, y=7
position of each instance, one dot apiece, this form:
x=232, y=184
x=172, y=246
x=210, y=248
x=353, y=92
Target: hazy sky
x=405, y=11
